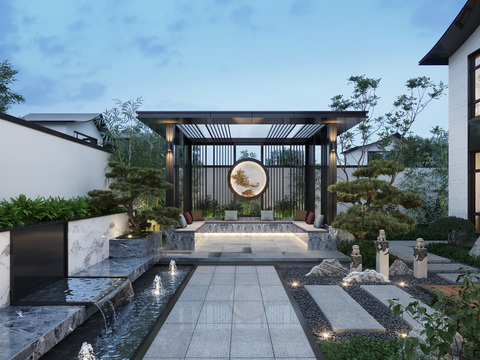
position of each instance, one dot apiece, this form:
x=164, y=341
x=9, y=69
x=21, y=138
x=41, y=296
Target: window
x=474, y=103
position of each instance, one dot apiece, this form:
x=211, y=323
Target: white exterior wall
x=458, y=126
x=39, y=164
x=69, y=128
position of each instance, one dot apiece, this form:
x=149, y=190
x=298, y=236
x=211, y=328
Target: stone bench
x=187, y=238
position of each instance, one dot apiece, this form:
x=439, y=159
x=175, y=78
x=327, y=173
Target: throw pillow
x=310, y=218
x=197, y=215
x=318, y=221
x=266, y=215
x=230, y=215
x=182, y=221
x=188, y=217
x=301, y=215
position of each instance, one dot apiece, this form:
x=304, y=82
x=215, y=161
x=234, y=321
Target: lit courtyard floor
x=253, y=247
x=233, y=312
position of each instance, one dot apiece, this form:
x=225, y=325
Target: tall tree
x=7, y=96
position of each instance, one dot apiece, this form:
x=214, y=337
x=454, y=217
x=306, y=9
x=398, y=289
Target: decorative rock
x=382, y=254
x=355, y=259
x=475, y=251
x=420, y=260
x=400, y=268
x=328, y=267
x=344, y=235
x=366, y=276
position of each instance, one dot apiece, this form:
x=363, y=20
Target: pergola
x=202, y=147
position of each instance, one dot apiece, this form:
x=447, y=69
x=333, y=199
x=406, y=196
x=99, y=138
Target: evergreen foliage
x=7, y=96
x=130, y=183
x=375, y=201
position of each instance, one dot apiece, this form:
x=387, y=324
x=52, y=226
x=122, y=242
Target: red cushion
x=188, y=217
x=310, y=218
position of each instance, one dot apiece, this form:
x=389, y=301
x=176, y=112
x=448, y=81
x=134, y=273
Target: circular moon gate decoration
x=248, y=178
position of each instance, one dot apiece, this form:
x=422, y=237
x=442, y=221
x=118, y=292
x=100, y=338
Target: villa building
x=459, y=48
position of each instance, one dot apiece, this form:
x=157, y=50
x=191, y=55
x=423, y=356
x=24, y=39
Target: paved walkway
x=232, y=312
x=404, y=250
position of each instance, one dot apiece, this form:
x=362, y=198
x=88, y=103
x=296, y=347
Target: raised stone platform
x=141, y=247
x=342, y=312
x=187, y=238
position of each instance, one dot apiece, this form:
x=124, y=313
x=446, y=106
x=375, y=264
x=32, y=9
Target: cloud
x=90, y=91
x=301, y=7
x=178, y=26
x=8, y=29
x=151, y=45
x=49, y=46
x=39, y=90
x=243, y=17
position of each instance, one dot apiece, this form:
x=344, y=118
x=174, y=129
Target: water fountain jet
x=157, y=285
x=172, y=267
x=86, y=352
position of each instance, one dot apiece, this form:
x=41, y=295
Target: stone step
x=342, y=312
x=453, y=277
x=385, y=292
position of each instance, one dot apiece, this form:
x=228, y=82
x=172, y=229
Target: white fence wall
x=39, y=163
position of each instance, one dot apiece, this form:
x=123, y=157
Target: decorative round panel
x=248, y=178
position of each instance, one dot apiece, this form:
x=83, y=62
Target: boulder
x=365, y=276
x=475, y=251
x=328, y=267
x=399, y=268
x=344, y=235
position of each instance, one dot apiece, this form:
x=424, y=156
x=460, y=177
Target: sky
x=246, y=55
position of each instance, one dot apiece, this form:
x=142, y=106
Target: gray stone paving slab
x=280, y=313
x=225, y=270
x=221, y=279
x=194, y=293
x=220, y=293
x=205, y=269
x=171, y=341
x=210, y=341
x=247, y=293
x=342, y=312
x=201, y=279
x=185, y=312
x=385, y=292
x=246, y=270
x=266, y=279
x=452, y=267
x=274, y=293
x=251, y=340
x=246, y=279
x=289, y=341
x=216, y=312
x=452, y=277
x=249, y=312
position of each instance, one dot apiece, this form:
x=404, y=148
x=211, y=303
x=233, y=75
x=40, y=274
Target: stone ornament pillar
x=382, y=254
x=420, y=264
x=356, y=259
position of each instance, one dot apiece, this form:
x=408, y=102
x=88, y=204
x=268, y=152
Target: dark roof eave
x=466, y=22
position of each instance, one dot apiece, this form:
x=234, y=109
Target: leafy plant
x=7, y=96
x=453, y=229
x=131, y=183
x=367, y=250
x=357, y=347
x=22, y=210
x=374, y=201
x=454, y=252
x=454, y=327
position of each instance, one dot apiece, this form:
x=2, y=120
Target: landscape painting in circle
x=248, y=179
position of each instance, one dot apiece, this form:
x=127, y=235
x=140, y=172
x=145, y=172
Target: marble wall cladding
x=249, y=227
x=4, y=269
x=37, y=329
x=321, y=241
x=88, y=239
x=179, y=240
x=121, y=248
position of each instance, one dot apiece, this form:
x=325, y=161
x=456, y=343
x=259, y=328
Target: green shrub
x=454, y=252
x=367, y=250
x=419, y=231
x=456, y=313
x=452, y=229
x=360, y=348
x=21, y=211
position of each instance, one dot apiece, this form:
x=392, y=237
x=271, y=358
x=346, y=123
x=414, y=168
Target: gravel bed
x=318, y=323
